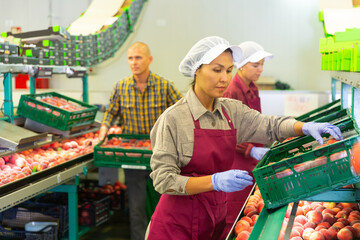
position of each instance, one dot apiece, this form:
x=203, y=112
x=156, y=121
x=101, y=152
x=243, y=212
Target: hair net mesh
x=200, y=54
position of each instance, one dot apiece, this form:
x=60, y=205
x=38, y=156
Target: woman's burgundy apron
x=200, y=216
x=236, y=200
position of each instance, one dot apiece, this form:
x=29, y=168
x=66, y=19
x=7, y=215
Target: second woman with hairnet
x=194, y=144
x=243, y=87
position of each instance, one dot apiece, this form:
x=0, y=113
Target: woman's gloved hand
x=258, y=152
x=317, y=129
x=231, y=180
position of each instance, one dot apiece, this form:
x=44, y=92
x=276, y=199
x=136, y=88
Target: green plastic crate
x=332, y=117
x=123, y=157
x=53, y=116
x=285, y=180
x=320, y=112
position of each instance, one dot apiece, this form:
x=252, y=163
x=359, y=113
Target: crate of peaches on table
x=303, y=220
x=302, y=168
x=124, y=151
x=55, y=110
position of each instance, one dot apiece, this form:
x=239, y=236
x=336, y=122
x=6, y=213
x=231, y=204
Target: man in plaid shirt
x=138, y=100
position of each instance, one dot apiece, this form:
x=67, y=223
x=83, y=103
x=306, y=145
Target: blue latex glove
x=317, y=129
x=231, y=181
x=258, y=152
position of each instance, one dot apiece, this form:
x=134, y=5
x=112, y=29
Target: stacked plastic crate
x=340, y=52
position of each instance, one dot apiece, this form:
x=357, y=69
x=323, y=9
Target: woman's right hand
x=231, y=180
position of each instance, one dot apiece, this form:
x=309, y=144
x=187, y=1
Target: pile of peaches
x=355, y=160
x=126, y=143
x=22, y=164
x=313, y=220
x=62, y=103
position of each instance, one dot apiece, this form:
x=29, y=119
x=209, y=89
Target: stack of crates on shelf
x=341, y=51
x=300, y=167
x=88, y=189
x=14, y=220
x=94, y=204
x=56, y=110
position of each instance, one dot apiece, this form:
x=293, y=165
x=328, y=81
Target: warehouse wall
x=290, y=29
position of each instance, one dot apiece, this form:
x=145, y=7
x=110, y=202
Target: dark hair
x=192, y=84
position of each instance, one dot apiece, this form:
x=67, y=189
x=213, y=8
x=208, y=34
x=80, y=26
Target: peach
x=306, y=208
x=354, y=206
x=249, y=209
x=345, y=234
x=297, y=224
x=333, y=230
x=336, y=209
x=314, y=216
x=341, y=214
x=347, y=210
x=250, y=214
x=299, y=229
x=316, y=236
x=310, y=225
x=325, y=224
x=240, y=226
x=254, y=218
x=329, y=205
x=326, y=234
x=319, y=208
x=296, y=238
x=356, y=226
x=314, y=205
x=355, y=212
x=339, y=225
x=352, y=230
x=301, y=219
x=244, y=235
x=295, y=233
x=319, y=227
x=260, y=206
x=353, y=218
x=354, y=222
x=307, y=233
x=327, y=210
x=327, y=217
x=344, y=221
x=246, y=218
x=299, y=211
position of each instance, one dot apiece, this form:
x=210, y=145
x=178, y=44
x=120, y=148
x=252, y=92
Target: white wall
x=290, y=29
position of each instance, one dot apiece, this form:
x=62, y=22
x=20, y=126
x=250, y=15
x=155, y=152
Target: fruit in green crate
x=345, y=234
x=240, y=226
x=244, y=235
x=355, y=158
x=316, y=236
x=307, y=233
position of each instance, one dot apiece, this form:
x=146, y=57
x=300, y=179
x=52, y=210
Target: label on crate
x=133, y=167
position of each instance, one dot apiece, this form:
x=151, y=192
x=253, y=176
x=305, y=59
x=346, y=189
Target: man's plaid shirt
x=139, y=111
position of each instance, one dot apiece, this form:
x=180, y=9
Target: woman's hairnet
x=205, y=51
x=252, y=52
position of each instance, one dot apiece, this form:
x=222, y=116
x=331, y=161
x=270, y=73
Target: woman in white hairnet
x=243, y=87
x=194, y=144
